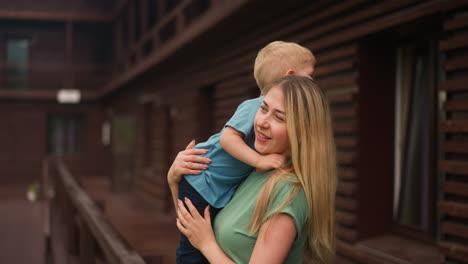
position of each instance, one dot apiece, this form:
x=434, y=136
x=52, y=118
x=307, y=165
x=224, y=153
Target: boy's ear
x=290, y=72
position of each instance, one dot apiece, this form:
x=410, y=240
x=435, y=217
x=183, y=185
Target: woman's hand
x=187, y=162
x=196, y=228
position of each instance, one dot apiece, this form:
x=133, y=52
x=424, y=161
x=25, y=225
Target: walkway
x=21, y=227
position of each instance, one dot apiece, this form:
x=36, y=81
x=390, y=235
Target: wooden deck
x=21, y=227
x=142, y=225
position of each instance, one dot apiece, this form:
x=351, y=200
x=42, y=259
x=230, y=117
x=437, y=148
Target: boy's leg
x=186, y=253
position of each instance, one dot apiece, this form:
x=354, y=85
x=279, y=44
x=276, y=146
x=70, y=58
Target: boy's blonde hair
x=313, y=162
x=276, y=58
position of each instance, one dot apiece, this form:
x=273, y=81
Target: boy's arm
x=233, y=143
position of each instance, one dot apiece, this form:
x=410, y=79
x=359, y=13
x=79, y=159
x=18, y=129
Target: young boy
x=231, y=151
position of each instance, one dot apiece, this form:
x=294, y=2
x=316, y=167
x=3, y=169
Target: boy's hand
x=270, y=161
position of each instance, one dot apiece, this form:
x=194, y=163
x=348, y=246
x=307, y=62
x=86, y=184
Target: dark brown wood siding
x=454, y=138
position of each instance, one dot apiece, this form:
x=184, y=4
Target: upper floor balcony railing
x=51, y=77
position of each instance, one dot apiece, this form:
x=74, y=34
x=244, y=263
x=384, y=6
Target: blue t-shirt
x=218, y=183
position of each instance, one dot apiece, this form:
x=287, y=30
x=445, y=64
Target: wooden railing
x=79, y=231
x=53, y=76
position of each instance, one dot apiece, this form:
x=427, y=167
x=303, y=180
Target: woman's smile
x=271, y=133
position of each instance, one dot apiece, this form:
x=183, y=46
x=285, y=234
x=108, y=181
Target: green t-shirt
x=231, y=224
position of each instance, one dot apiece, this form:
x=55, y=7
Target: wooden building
x=153, y=74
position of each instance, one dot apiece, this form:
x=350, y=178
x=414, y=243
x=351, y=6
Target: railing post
x=87, y=244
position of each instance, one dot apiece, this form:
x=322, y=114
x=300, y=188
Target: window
x=415, y=137
x=17, y=58
x=65, y=134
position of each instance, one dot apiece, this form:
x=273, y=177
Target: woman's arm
x=275, y=238
x=187, y=162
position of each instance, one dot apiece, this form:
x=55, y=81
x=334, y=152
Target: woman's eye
x=263, y=108
x=280, y=118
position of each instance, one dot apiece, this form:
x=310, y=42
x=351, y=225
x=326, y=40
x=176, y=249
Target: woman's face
x=271, y=133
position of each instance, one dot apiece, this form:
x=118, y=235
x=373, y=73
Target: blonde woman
x=275, y=216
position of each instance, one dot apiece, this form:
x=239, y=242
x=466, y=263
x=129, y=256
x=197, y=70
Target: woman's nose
x=263, y=122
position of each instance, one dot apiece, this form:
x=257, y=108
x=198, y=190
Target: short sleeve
x=244, y=117
x=297, y=207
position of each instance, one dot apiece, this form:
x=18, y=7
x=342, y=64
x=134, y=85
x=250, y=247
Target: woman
x=274, y=216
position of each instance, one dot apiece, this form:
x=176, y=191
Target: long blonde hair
x=313, y=162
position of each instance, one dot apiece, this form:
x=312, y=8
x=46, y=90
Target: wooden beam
x=454, y=85
x=346, y=158
x=454, y=167
x=457, y=188
x=42, y=95
x=346, y=234
x=211, y=17
x=456, y=23
x=68, y=76
x=453, y=208
x=455, y=229
x=347, y=173
x=346, y=204
x=458, y=41
x=340, y=81
x=345, y=127
x=346, y=141
x=454, y=250
x=346, y=188
x=55, y=16
x=456, y=63
x=455, y=146
x=454, y=105
x=454, y=126
x=345, y=218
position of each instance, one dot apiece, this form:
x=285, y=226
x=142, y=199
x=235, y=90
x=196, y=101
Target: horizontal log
x=455, y=85
x=334, y=68
x=347, y=173
x=454, y=167
x=456, y=23
x=456, y=105
x=456, y=188
x=453, y=208
x=454, y=250
x=346, y=188
x=339, y=81
x=346, y=158
x=55, y=16
x=346, y=234
x=344, y=127
x=344, y=112
x=346, y=141
x=347, y=204
x=454, y=126
x=456, y=63
x=455, y=229
x=345, y=218
x=342, y=52
x=455, y=147
x=455, y=42
x=342, y=98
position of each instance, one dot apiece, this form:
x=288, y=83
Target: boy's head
x=280, y=58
